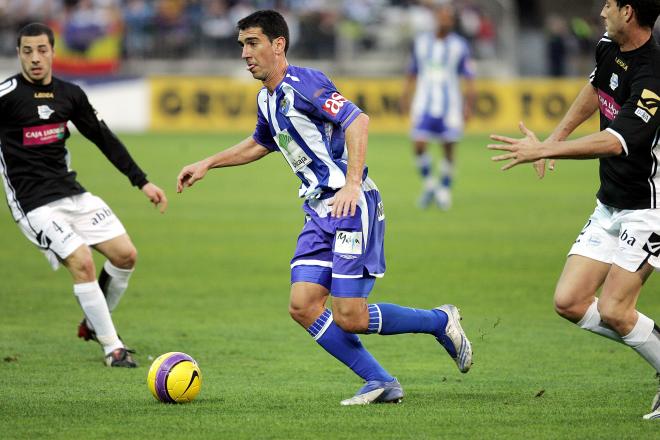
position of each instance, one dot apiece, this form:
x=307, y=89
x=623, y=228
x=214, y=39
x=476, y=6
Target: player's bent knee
x=569, y=305
x=126, y=259
x=298, y=314
x=564, y=309
x=305, y=315
x=571, y=311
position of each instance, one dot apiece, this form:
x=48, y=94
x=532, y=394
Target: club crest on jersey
x=614, y=81
x=44, y=111
x=285, y=105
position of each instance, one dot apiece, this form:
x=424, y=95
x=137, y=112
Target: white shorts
x=625, y=237
x=60, y=227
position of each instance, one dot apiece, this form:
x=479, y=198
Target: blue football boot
x=376, y=391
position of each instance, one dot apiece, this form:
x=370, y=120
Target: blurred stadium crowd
x=320, y=29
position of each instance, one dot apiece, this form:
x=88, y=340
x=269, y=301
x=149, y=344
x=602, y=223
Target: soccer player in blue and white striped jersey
x=439, y=107
x=323, y=138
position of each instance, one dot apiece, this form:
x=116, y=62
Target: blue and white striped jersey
x=439, y=64
x=305, y=118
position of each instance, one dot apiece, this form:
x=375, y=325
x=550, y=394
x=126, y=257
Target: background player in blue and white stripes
x=440, y=107
x=323, y=137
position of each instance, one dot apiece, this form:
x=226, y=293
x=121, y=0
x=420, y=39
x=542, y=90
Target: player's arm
x=409, y=83
x=246, y=151
x=469, y=98
x=582, y=108
x=88, y=123
x=409, y=86
x=530, y=149
x=357, y=135
x=467, y=72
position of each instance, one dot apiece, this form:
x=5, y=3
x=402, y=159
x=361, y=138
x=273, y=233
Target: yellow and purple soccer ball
x=174, y=377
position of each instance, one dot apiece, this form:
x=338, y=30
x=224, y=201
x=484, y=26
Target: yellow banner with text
x=225, y=104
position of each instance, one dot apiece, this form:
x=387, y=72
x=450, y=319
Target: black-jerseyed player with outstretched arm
x=51, y=208
x=620, y=244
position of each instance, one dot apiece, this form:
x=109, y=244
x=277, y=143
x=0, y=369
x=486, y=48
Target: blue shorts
x=345, y=254
x=428, y=128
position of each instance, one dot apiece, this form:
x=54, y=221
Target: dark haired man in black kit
x=619, y=247
x=51, y=208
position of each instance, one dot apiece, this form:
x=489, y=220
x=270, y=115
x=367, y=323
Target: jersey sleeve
x=93, y=128
x=328, y=103
x=413, y=63
x=636, y=124
x=601, y=47
x=262, y=134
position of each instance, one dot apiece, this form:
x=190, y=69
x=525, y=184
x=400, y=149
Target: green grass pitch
x=213, y=281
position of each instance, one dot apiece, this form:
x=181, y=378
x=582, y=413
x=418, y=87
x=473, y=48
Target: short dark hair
x=646, y=11
x=34, y=30
x=271, y=22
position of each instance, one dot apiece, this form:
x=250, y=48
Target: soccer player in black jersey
x=50, y=207
x=620, y=245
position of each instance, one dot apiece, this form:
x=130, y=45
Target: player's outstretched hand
x=539, y=167
x=156, y=196
x=524, y=150
x=345, y=201
x=190, y=174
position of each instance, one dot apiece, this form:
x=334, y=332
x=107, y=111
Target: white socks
x=114, y=283
x=591, y=322
x=96, y=311
x=643, y=338
x=446, y=169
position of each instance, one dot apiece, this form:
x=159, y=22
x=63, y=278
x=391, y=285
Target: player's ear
x=280, y=44
x=628, y=13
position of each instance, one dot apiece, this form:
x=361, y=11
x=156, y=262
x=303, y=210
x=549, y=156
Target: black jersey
x=34, y=161
x=628, y=87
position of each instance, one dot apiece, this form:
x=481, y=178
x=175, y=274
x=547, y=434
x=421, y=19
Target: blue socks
x=385, y=319
x=423, y=162
x=347, y=348
x=392, y=319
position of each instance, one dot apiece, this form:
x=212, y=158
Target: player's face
x=36, y=55
x=613, y=17
x=259, y=52
x=444, y=17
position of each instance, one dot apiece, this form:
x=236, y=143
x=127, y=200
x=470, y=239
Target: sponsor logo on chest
x=43, y=134
x=292, y=152
x=44, y=95
x=608, y=106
